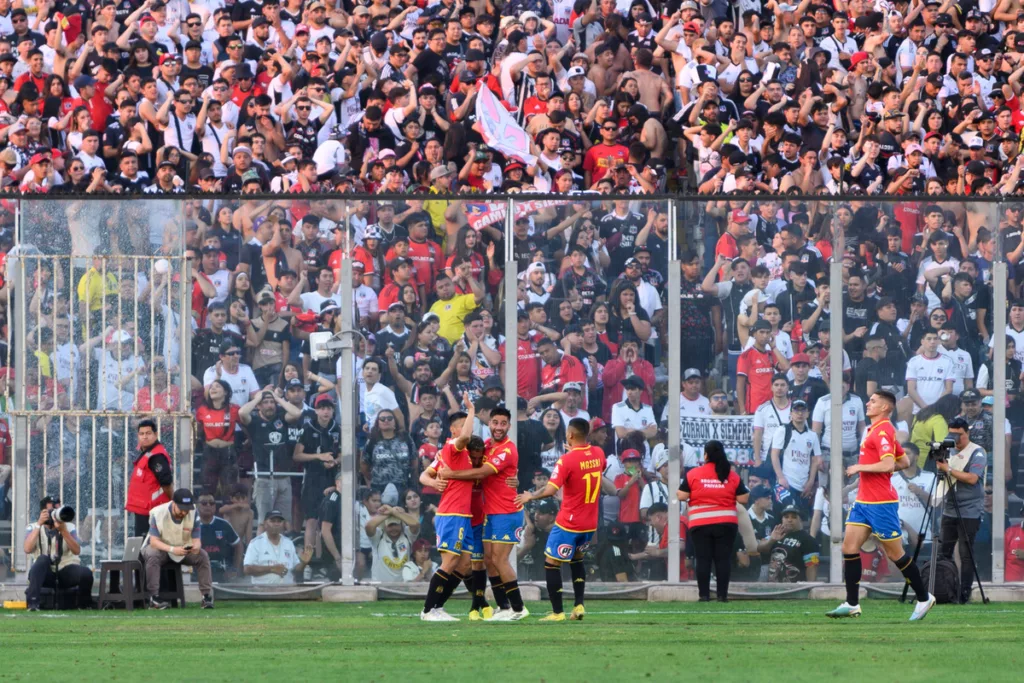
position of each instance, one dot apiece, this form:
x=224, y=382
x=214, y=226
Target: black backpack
x=947, y=581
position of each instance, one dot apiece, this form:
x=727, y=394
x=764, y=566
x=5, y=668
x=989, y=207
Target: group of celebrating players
x=480, y=518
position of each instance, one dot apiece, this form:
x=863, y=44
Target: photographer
x=57, y=565
x=966, y=468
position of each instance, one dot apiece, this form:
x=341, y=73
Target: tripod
x=930, y=518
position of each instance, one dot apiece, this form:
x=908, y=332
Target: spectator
x=268, y=431
x=793, y=554
x=390, y=531
x=271, y=558
x=219, y=540
x=796, y=457
x=634, y=420
x=174, y=537
x=419, y=567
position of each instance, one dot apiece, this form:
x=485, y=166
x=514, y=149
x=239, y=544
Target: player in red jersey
x=579, y=473
x=503, y=527
x=454, y=514
x=875, y=510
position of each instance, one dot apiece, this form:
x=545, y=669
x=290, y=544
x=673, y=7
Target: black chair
x=172, y=585
x=122, y=581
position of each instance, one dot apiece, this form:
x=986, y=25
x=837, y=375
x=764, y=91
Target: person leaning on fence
x=152, y=478
x=54, y=549
x=174, y=536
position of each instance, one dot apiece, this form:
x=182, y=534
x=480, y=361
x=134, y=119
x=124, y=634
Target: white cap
x=576, y=71
x=659, y=456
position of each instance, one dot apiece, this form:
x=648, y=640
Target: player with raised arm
x=578, y=474
x=503, y=525
x=875, y=511
x=452, y=521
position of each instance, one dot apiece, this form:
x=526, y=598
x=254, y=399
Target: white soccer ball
x=161, y=266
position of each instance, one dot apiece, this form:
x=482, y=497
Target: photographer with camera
x=964, y=464
x=54, y=539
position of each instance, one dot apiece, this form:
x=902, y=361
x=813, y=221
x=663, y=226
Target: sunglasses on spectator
x=611, y=128
x=386, y=418
x=236, y=352
x=235, y=46
x=303, y=108
x=193, y=24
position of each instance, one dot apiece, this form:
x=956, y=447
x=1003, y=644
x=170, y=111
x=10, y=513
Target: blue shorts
x=562, y=544
x=474, y=543
x=882, y=518
x=506, y=528
x=453, y=534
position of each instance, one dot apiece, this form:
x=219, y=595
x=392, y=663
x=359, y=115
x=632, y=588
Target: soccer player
x=452, y=522
x=876, y=509
x=579, y=474
x=503, y=526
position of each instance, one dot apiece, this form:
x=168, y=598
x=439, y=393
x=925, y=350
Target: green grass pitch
x=619, y=641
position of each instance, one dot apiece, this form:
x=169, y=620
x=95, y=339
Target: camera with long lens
x=939, y=450
x=64, y=514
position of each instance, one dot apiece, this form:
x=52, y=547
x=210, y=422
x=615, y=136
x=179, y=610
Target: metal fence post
x=348, y=392
x=21, y=499
x=835, y=381
x=999, y=275
x=511, y=299
x=674, y=373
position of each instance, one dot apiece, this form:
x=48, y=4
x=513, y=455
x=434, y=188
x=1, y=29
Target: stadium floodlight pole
x=511, y=300
x=998, y=418
x=675, y=361
x=347, y=378
x=835, y=381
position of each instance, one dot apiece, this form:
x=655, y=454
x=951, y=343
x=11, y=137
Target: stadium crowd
x=620, y=98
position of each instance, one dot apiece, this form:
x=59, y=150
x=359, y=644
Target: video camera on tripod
x=939, y=450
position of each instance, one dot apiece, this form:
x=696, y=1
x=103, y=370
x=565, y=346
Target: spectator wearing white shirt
x=796, y=456
x=963, y=366
x=391, y=531
x=632, y=418
x=377, y=397
x=692, y=403
x=929, y=374
x=769, y=417
x=271, y=558
x=238, y=375
x=852, y=421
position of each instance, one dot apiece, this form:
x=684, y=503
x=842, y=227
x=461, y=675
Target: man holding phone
x=174, y=537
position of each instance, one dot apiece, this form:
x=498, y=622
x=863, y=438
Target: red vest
x=711, y=501
x=144, y=491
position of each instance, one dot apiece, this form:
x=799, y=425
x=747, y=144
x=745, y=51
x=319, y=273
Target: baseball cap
x=691, y=373
x=884, y=301
x=759, y=492
x=39, y=158
x=799, y=404
x=857, y=57
x=84, y=81
x=800, y=358
x=633, y=382
x=323, y=400
x=575, y=71
x=762, y=325
x=914, y=148
x=969, y=396
x=183, y=499
x=548, y=507
x=274, y=513
x=573, y=386
x=440, y=171
x=739, y=216
x=630, y=454
x=659, y=456
x=792, y=509
x=597, y=423
x=294, y=383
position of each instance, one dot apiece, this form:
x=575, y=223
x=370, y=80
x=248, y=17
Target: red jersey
x=758, y=367
x=578, y=475
x=629, y=506
x=456, y=499
x=503, y=458
x=427, y=261
x=1013, y=540
x=477, y=504
x=528, y=376
x=874, y=565
x=218, y=424
x=602, y=158
x=879, y=442
x=554, y=377
x=428, y=451
x=168, y=401
x=199, y=301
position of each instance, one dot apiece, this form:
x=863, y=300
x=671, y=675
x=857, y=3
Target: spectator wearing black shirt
x=319, y=452
x=207, y=342
x=219, y=540
x=268, y=431
x=870, y=374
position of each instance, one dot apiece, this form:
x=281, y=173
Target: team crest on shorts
x=519, y=534
x=565, y=551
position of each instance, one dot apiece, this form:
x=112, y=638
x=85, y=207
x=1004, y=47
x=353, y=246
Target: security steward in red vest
x=152, y=478
x=713, y=490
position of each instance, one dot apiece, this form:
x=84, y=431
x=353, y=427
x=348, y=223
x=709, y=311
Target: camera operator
x=966, y=467
x=57, y=565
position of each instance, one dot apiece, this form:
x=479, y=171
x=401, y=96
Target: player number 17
x=592, y=489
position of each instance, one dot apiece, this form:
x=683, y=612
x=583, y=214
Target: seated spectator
x=420, y=566
x=219, y=540
x=391, y=531
x=271, y=558
x=793, y=554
